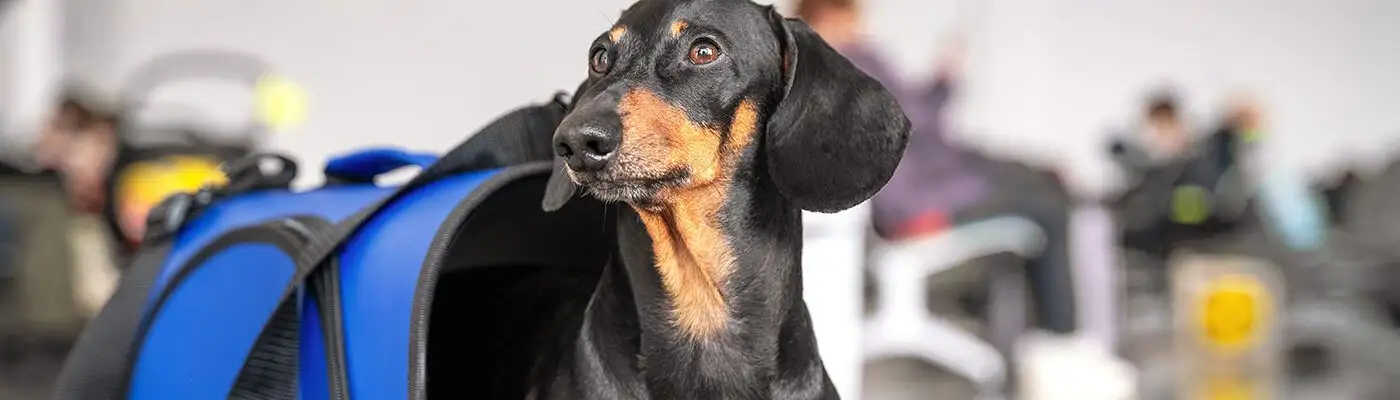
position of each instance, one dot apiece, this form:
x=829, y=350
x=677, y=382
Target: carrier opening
x=512, y=277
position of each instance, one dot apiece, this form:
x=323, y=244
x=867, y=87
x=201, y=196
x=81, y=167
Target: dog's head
x=683, y=95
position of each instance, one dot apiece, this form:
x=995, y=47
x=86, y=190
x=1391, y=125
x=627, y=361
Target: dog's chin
x=641, y=192
x=621, y=193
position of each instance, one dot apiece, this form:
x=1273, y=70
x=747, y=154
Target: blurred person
x=58, y=132
x=1163, y=135
x=1167, y=135
x=89, y=163
x=938, y=184
x=1145, y=152
x=80, y=143
x=1190, y=187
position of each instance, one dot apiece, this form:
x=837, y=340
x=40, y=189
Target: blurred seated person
x=1163, y=135
x=80, y=143
x=938, y=185
x=1186, y=188
x=1152, y=156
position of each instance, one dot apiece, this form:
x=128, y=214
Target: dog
x=711, y=124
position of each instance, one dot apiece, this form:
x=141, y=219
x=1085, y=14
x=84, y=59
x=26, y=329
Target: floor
x=28, y=377
x=27, y=366
x=907, y=379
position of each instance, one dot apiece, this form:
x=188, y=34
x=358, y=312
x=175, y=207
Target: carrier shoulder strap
x=99, y=361
x=99, y=364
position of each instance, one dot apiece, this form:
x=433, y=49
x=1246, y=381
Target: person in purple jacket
x=938, y=185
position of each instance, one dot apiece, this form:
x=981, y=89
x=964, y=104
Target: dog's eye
x=703, y=52
x=599, y=61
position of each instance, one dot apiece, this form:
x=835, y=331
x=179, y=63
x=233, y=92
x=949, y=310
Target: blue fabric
x=364, y=165
x=332, y=203
x=198, y=341
x=1295, y=212
x=380, y=271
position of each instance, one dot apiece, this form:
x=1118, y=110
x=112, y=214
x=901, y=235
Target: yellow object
x=1228, y=388
x=1234, y=309
x=144, y=184
x=1190, y=204
x=281, y=103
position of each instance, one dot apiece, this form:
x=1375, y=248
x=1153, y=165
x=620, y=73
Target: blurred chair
x=902, y=326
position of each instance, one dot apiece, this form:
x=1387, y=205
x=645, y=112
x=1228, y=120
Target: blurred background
x=1082, y=122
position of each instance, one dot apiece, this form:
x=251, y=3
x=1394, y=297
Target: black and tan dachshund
x=715, y=122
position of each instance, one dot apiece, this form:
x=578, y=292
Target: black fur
x=832, y=139
x=838, y=135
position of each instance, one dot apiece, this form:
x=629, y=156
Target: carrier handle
x=363, y=166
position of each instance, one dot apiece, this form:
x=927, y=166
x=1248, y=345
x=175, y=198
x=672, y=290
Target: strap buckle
x=166, y=218
x=244, y=175
x=247, y=174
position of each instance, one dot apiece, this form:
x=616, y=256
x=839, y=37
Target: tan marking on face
x=743, y=126
x=677, y=27
x=693, y=255
x=658, y=137
x=616, y=33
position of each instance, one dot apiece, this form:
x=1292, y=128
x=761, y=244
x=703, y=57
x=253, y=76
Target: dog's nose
x=585, y=149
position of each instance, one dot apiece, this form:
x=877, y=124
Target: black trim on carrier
x=272, y=368
x=432, y=268
x=105, y=346
x=476, y=226
x=326, y=292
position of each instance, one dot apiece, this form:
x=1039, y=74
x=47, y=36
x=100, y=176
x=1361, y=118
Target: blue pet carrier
x=251, y=291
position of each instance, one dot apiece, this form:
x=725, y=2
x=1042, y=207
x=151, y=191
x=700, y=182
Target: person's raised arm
x=948, y=68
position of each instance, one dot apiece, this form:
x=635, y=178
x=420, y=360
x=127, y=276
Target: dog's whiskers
x=607, y=22
x=603, y=228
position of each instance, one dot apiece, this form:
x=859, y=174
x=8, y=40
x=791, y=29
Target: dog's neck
x=716, y=284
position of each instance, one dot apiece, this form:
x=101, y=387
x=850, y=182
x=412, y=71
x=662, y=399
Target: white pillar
x=31, y=65
x=1098, y=279
x=833, y=258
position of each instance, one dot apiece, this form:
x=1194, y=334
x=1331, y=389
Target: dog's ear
x=836, y=134
x=560, y=188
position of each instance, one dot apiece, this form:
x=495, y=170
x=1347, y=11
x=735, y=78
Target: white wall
x=29, y=61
